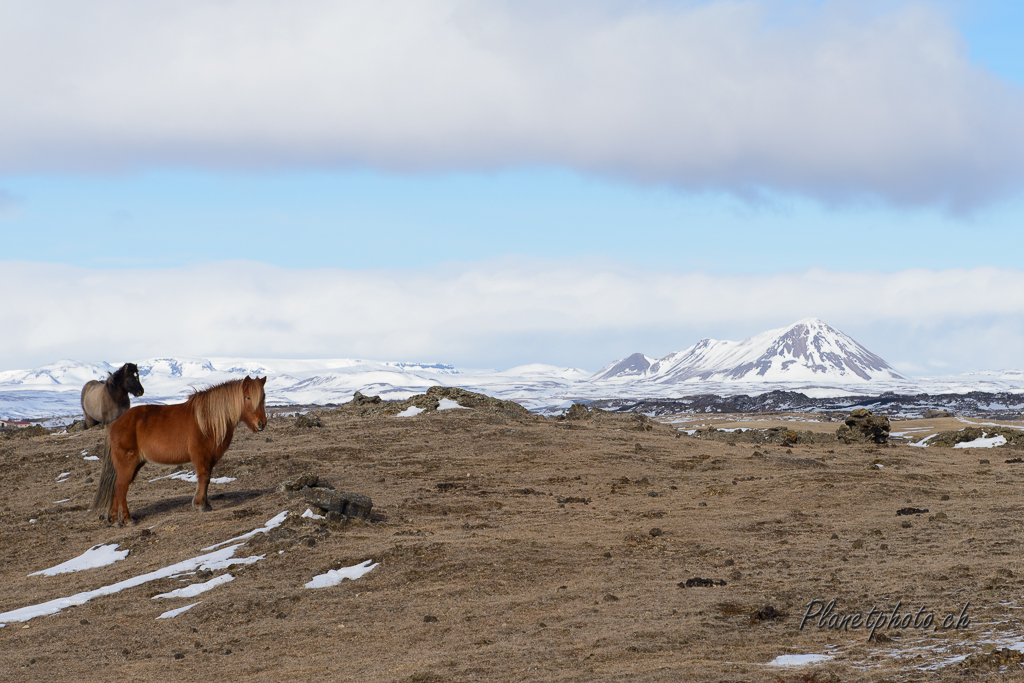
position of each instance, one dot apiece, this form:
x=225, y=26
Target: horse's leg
x=119, y=508
x=203, y=470
x=89, y=422
x=125, y=476
x=120, y=484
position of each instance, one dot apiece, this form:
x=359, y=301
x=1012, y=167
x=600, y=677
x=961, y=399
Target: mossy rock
x=641, y=423
x=471, y=399
x=861, y=426
x=577, y=411
x=431, y=400
x=309, y=421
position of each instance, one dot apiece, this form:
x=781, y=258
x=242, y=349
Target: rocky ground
x=990, y=405
x=516, y=547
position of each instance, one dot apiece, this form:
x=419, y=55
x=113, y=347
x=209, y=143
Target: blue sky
x=367, y=219
x=440, y=143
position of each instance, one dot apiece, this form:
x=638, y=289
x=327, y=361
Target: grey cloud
x=841, y=105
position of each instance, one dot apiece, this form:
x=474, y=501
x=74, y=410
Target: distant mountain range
x=808, y=357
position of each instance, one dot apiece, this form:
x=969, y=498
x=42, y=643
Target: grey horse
x=104, y=402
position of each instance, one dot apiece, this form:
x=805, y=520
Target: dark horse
x=104, y=402
x=198, y=430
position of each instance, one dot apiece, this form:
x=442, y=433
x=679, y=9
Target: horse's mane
x=218, y=408
x=116, y=377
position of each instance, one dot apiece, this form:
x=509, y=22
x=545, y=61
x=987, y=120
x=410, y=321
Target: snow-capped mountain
x=807, y=351
x=808, y=357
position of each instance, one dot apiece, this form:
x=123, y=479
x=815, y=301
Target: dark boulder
x=298, y=483
x=308, y=421
x=862, y=426
x=340, y=502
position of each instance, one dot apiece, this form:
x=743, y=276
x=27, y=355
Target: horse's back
x=89, y=390
x=159, y=433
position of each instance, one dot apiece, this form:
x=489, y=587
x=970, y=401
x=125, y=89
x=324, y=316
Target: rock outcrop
x=321, y=495
x=577, y=411
x=373, y=406
x=862, y=426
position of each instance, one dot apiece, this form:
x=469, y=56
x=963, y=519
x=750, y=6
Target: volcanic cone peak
x=806, y=350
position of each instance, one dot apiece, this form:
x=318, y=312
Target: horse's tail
x=108, y=476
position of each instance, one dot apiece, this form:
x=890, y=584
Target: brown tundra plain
x=513, y=547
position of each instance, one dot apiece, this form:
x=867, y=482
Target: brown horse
x=104, y=402
x=198, y=430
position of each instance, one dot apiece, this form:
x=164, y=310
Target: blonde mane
x=218, y=409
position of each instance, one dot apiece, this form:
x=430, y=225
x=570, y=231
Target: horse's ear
x=262, y=381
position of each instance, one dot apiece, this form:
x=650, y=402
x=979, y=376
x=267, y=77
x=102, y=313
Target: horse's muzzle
x=260, y=424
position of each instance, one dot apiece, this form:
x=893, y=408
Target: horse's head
x=131, y=380
x=254, y=403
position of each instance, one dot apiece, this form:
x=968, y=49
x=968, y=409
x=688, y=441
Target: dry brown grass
x=523, y=587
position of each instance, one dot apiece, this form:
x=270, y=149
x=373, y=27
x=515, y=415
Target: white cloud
x=834, y=100
x=496, y=314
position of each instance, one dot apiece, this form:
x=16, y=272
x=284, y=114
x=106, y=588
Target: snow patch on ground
x=411, y=411
x=96, y=556
x=273, y=523
x=312, y=515
x=220, y=559
x=984, y=442
x=336, y=576
x=798, y=660
x=193, y=479
x=170, y=614
x=196, y=588
x=448, y=404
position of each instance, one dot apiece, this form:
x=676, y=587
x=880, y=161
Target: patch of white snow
x=448, y=404
x=196, y=588
x=170, y=614
x=273, y=523
x=192, y=478
x=411, y=411
x=96, y=556
x=984, y=442
x=798, y=660
x=219, y=559
x=336, y=576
